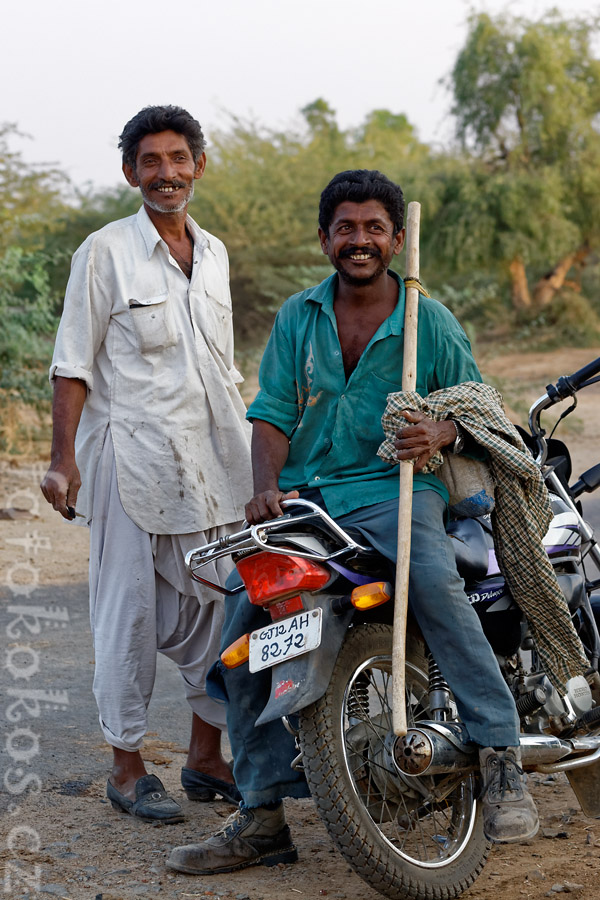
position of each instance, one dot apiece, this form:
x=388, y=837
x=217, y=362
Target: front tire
x=409, y=839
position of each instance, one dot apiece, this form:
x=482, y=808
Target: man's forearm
x=60, y=486
x=67, y=405
x=270, y=449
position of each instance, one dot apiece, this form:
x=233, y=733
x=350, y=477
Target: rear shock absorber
x=439, y=692
x=358, y=698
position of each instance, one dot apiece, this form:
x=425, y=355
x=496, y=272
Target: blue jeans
x=449, y=625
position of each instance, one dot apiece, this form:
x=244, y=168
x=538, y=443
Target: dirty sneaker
x=249, y=837
x=509, y=813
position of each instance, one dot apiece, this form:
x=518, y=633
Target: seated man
x=334, y=355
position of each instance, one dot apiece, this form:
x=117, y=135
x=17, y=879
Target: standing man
x=146, y=406
x=334, y=355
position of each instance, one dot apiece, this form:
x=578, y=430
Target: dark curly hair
x=358, y=186
x=153, y=120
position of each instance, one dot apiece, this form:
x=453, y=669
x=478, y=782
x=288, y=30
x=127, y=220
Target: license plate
x=285, y=639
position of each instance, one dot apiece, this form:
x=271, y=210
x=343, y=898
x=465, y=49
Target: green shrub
x=29, y=323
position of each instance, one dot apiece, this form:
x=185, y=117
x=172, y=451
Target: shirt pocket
x=153, y=322
x=375, y=400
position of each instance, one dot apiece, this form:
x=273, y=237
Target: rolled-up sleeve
x=270, y=409
x=84, y=321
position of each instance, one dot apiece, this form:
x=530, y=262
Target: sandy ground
x=59, y=836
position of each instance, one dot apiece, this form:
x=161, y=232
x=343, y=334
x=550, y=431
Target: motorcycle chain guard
x=304, y=679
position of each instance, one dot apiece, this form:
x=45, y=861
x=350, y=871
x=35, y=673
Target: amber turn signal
x=237, y=653
x=369, y=595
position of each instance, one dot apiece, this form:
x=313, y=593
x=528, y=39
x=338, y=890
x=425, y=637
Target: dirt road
x=58, y=835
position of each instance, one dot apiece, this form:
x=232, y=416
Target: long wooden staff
x=409, y=383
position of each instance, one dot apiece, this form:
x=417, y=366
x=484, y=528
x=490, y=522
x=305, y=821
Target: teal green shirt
x=334, y=425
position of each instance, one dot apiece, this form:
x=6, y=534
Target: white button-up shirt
x=156, y=353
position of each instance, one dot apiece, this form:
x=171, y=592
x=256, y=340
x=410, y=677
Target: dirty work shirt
x=334, y=425
x=156, y=353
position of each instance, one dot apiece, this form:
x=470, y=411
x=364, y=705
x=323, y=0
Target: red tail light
x=271, y=576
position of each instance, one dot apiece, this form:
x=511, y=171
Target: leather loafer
x=199, y=786
x=152, y=803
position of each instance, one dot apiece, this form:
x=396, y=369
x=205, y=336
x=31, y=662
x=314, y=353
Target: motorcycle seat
x=471, y=548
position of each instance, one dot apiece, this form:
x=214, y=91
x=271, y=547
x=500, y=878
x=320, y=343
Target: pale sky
x=73, y=72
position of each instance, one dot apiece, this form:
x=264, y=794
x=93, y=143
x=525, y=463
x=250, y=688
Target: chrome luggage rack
x=265, y=537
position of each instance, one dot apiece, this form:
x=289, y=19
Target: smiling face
x=361, y=242
x=165, y=172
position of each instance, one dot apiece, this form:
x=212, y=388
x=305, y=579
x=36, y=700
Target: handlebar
x=566, y=386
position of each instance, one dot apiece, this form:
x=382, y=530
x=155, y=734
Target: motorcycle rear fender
x=304, y=679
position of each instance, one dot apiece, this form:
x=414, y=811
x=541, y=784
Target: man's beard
x=156, y=206
x=358, y=280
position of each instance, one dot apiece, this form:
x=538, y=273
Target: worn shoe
x=199, y=786
x=249, y=837
x=151, y=803
x=509, y=813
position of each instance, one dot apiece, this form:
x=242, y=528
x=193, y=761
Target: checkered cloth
x=521, y=517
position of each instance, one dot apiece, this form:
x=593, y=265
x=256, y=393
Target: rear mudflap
x=302, y=680
x=586, y=787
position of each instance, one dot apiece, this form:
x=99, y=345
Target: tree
x=389, y=139
x=29, y=324
x=31, y=203
x=32, y=197
x=320, y=118
x=526, y=101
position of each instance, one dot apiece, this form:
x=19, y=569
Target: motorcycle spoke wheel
x=406, y=837
x=416, y=825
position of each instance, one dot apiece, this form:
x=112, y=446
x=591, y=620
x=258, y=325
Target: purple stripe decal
x=353, y=577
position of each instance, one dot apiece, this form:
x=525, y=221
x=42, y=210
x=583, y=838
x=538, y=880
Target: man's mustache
x=351, y=251
x=160, y=184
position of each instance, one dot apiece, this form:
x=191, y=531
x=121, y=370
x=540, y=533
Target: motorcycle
x=403, y=811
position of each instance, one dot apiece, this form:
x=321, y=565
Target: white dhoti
x=142, y=600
